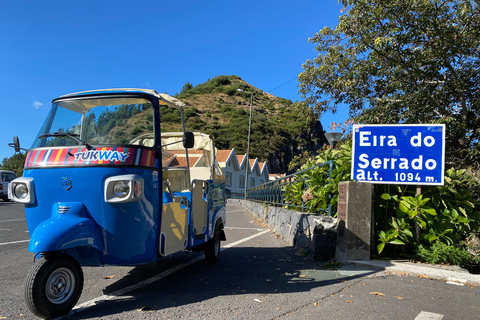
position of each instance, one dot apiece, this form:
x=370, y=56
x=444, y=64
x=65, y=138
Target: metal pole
x=417, y=226
x=248, y=146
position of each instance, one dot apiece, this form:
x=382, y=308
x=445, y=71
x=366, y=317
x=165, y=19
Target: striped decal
x=84, y=157
x=29, y=159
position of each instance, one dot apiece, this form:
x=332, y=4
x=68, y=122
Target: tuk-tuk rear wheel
x=212, y=249
x=53, y=286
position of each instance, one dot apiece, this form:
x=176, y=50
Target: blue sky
x=51, y=48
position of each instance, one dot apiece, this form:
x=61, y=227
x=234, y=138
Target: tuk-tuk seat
x=146, y=140
x=176, y=178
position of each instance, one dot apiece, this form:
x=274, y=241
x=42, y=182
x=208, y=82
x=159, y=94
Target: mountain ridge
x=281, y=129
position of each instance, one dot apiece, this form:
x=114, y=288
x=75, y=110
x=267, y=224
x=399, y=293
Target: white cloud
x=37, y=104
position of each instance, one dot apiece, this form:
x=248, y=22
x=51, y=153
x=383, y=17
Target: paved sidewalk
x=439, y=272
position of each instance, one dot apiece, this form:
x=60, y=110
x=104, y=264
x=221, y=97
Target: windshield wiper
x=66, y=134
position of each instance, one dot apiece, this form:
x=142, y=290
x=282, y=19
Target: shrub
x=441, y=253
x=135, y=131
x=190, y=112
x=318, y=183
x=174, y=117
x=441, y=213
x=225, y=109
x=228, y=90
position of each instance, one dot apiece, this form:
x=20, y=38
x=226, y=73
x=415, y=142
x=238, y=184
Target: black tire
x=212, y=247
x=53, y=286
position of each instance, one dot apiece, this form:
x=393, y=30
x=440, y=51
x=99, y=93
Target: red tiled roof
x=240, y=159
x=182, y=162
x=222, y=155
x=194, y=152
x=166, y=158
x=261, y=164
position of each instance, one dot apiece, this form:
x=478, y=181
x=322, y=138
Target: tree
x=403, y=61
x=15, y=163
x=186, y=87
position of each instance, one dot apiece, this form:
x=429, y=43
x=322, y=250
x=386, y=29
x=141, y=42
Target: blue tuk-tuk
x=105, y=184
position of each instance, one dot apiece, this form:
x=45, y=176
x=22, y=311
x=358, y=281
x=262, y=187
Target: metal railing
x=273, y=193
x=235, y=193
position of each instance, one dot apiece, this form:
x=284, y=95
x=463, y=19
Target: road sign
x=399, y=154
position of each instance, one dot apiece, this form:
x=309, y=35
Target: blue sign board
x=399, y=154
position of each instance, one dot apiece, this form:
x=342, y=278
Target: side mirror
x=188, y=140
x=15, y=144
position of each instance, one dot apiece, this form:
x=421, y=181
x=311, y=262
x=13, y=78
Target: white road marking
x=233, y=228
x=236, y=211
x=121, y=292
x=13, y=242
x=424, y=315
x=14, y=220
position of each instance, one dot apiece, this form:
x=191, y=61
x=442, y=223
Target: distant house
x=233, y=167
x=276, y=176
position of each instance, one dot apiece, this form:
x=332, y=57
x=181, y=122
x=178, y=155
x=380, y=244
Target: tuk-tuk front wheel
x=212, y=248
x=53, y=286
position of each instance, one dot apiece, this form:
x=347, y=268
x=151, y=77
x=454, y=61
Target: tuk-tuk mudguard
x=68, y=227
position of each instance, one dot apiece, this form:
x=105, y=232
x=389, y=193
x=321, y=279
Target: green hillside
x=280, y=129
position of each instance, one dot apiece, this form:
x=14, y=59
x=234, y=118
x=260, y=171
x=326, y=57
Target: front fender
x=68, y=227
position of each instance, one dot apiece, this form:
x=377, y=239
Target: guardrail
x=235, y=193
x=272, y=192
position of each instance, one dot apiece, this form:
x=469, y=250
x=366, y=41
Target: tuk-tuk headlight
x=124, y=188
x=121, y=189
x=22, y=190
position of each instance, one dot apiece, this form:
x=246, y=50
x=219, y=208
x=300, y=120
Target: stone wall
x=316, y=234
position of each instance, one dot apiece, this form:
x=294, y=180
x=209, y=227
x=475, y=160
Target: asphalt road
x=257, y=277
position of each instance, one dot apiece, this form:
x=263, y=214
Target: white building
x=233, y=167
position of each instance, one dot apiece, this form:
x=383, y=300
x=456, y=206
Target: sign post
x=399, y=154
x=386, y=154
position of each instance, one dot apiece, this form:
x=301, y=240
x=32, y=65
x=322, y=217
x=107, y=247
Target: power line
x=296, y=77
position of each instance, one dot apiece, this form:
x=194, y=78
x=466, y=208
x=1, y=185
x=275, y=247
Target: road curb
x=439, y=272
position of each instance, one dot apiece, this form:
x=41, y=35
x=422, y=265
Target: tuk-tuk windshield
x=98, y=121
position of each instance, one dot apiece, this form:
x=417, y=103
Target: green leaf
x=380, y=247
x=430, y=211
x=412, y=213
x=397, y=242
x=386, y=196
x=407, y=232
x=431, y=237
x=463, y=219
x=403, y=207
x=421, y=223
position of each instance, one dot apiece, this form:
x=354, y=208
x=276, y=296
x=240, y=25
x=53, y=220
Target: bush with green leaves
x=314, y=192
x=404, y=218
x=438, y=214
x=442, y=253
